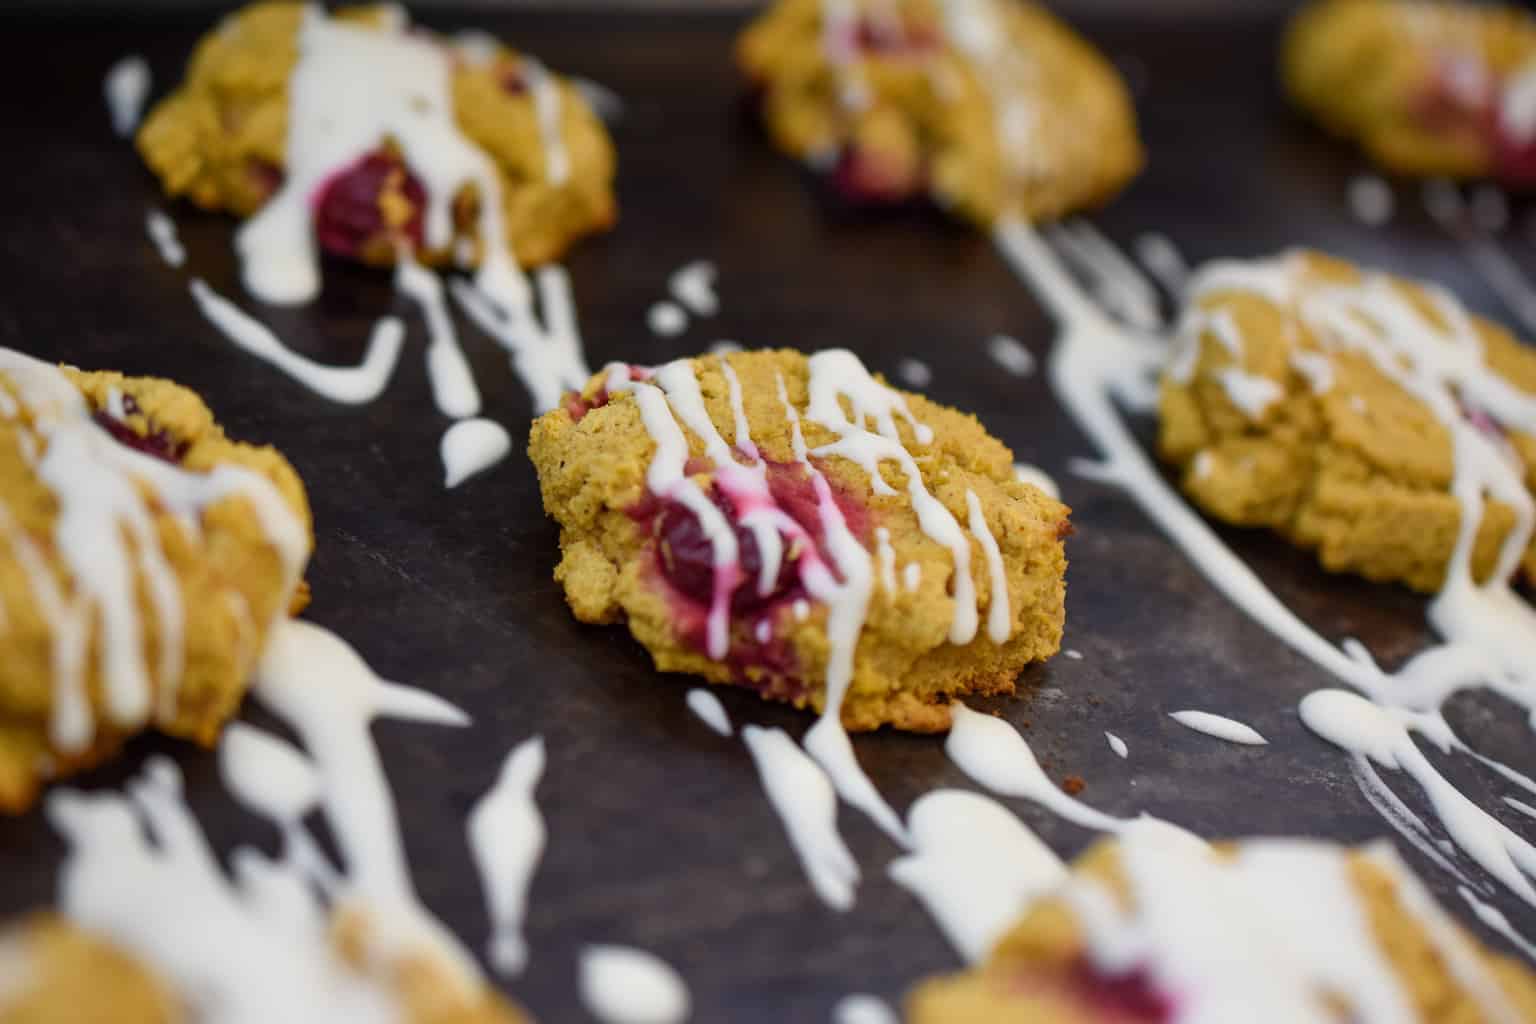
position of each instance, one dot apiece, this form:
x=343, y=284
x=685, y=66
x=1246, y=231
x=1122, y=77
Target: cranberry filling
x=266, y=177
x=351, y=207
x=861, y=176
x=896, y=38
x=578, y=406
x=512, y=80
x=157, y=443
x=1123, y=998
x=688, y=560
x=1464, y=99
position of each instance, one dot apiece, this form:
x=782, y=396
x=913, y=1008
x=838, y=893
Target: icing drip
x=1370, y=200
x=453, y=382
x=887, y=556
x=352, y=385
x=975, y=867
x=994, y=755
x=709, y=711
x=807, y=805
x=1117, y=745
x=666, y=319
x=506, y=837
x=863, y=1009
x=547, y=103
x=1163, y=261
x=1011, y=355
x=915, y=373
x=470, y=447
x=547, y=356
x=1219, y=727
x=1118, y=286
x=1036, y=477
x=162, y=232
x=620, y=985
x=1488, y=632
x=99, y=485
x=259, y=944
x=693, y=286
x=126, y=87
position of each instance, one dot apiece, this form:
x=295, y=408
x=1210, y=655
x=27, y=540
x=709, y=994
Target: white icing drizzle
x=994, y=755
x=666, y=319
x=258, y=944
x=1316, y=368
x=1163, y=261
x=860, y=1008
x=1489, y=632
x=911, y=576
x=1521, y=806
x=1219, y=726
x=1274, y=933
x=162, y=233
x=608, y=105
x=1034, y=475
x=999, y=614
x=470, y=447
x=321, y=687
x=975, y=867
x=351, y=385
x=975, y=28
x=724, y=347
x=126, y=87
x=622, y=985
x=547, y=104
x=1517, y=104
x=1370, y=200
x=99, y=485
x=546, y=356
x=1250, y=393
x=453, y=382
x=1117, y=745
x=887, y=556
x=1011, y=355
x=914, y=373
x=707, y=707
x=1117, y=284
x=693, y=285
x=1073, y=654
x=1495, y=920
x=506, y=837
x=807, y=805
x=1505, y=276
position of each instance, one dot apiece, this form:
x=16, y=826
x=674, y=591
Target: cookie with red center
x=1426, y=88
x=990, y=109
x=105, y=474
x=1154, y=928
x=1283, y=408
x=220, y=141
x=728, y=526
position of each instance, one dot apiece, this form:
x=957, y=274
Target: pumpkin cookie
x=143, y=558
x=1330, y=403
x=992, y=108
x=223, y=139
x=1156, y=927
x=848, y=534
x=1426, y=88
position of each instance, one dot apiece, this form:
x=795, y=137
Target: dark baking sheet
x=660, y=834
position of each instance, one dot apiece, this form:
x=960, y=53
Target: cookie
x=1291, y=403
x=1426, y=88
x=222, y=141
x=143, y=559
x=1154, y=928
x=991, y=108
x=57, y=971
x=893, y=555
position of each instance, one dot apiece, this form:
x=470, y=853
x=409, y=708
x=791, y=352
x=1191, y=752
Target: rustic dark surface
x=659, y=832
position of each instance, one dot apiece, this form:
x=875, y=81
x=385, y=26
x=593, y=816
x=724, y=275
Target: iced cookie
x=1426, y=88
x=847, y=537
x=517, y=155
x=992, y=108
x=58, y=971
x=143, y=559
x=1340, y=408
x=1159, y=928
